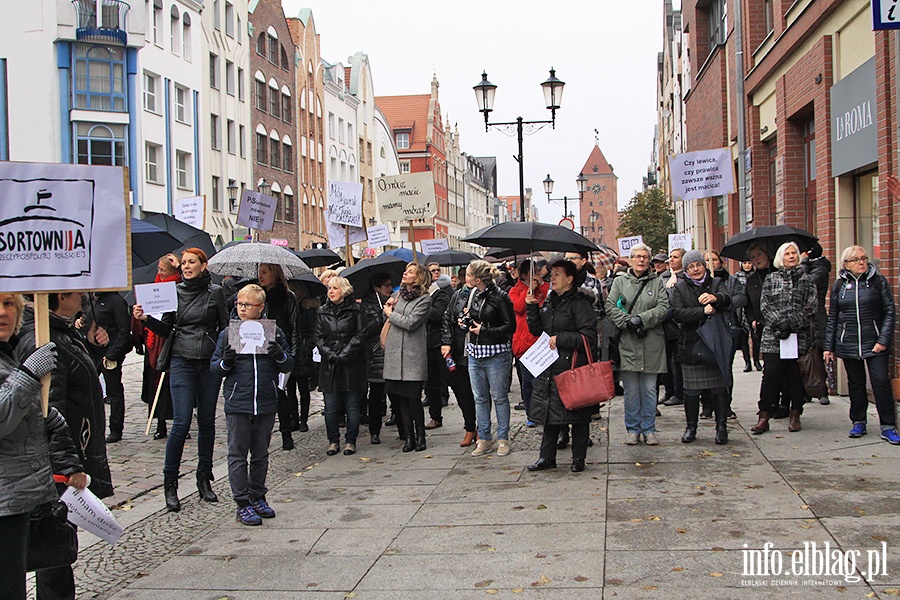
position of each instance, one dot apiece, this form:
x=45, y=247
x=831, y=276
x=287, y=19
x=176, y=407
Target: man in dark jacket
x=372, y=308
x=436, y=393
x=819, y=270
x=109, y=311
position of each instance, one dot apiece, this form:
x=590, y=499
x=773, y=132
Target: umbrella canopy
x=526, y=237
x=149, y=243
x=188, y=235
x=405, y=254
x=449, y=258
x=772, y=236
x=243, y=260
x=312, y=283
x=717, y=337
x=319, y=257
x=360, y=274
x=606, y=257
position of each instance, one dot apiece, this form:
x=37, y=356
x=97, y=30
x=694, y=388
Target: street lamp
x=484, y=97
x=548, y=189
x=232, y=193
x=264, y=187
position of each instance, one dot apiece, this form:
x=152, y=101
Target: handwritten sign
x=406, y=197
x=626, y=243
x=257, y=211
x=251, y=336
x=62, y=227
x=156, y=298
x=680, y=240
x=380, y=235
x=702, y=174
x=337, y=233
x=191, y=211
x=345, y=203
x=89, y=513
x=434, y=246
x=539, y=356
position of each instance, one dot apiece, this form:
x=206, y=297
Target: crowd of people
x=373, y=352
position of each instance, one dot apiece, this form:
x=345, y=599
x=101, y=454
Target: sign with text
x=257, y=211
x=88, y=512
x=191, y=211
x=380, y=235
x=406, y=197
x=680, y=240
x=434, y=246
x=702, y=174
x=156, y=298
x=337, y=233
x=854, y=133
x=885, y=14
x=626, y=243
x=345, y=203
x=251, y=336
x=62, y=227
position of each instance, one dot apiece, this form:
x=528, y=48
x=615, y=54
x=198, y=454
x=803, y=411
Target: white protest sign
x=406, y=197
x=89, y=513
x=540, y=356
x=702, y=174
x=62, y=227
x=626, y=243
x=191, y=211
x=345, y=203
x=680, y=240
x=380, y=235
x=434, y=246
x=251, y=336
x=257, y=211
x=156, y=298
x=337, y=233
x=317, y=356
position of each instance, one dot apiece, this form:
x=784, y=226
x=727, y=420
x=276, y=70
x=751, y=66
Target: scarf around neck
x=410, y=294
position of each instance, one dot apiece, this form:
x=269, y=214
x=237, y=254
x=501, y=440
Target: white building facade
x=341, y=140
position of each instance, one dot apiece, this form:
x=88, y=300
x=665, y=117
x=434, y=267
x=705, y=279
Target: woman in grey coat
x=405, y=352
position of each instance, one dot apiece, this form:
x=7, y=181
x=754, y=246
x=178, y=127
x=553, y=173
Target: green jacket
x=647, y=354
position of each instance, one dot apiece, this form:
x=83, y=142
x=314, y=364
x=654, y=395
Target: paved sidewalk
x=673, y=521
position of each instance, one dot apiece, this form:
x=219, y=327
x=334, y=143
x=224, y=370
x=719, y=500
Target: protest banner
x=191, y=211
x=680, y=240
x=345, y=203
x=626, y=243
x=257, y=211
x=406, y=197
x=434, y=246
x=338, y=234
x=380, y=235
x=156, y=298
x=702, y=174
x=251, y=336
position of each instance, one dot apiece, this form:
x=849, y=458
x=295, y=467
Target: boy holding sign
x=251, y=403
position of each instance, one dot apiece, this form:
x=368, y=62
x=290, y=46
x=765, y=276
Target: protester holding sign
x=191, y=334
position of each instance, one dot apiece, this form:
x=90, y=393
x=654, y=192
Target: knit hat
x=692, y=256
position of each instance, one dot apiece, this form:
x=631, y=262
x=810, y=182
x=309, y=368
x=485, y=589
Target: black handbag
x=812, y=368
x=52, y=540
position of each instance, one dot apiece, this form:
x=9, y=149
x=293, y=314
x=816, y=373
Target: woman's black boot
x=420, y=438
x=691, y=414
x=205, y=487
x=723, y=408
x=410, y=435
x=170, y=491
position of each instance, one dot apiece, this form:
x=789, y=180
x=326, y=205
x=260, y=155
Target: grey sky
x=605, y=51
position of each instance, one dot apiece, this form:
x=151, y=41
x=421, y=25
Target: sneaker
x=632, y=439
x=483, y=447
x=502, y=447
x=248, y=516
x=891, y=436
x=824, y=400
x=650, y=439
x=858, y=430
x=530, y=423
x=262, y=508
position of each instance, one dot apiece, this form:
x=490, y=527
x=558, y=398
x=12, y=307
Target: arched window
x=289, y=206
x=176, y=43
x=288, y=154
x=284, y=60
x=100, y=144
x=261, y=92
x=99, y=77
x=261, y=44
x=287, y=112
x=274, y=99
x=186, y=37
x=274, y=150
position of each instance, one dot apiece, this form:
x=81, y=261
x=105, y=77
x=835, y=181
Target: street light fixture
x=485, y=92
x=548, y=189
x=232, y=193
x=264, y=187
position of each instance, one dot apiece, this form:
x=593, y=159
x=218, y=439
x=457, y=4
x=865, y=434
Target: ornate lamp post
x=484, y=96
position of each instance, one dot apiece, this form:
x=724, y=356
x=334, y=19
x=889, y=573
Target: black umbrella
x=771, y=236
x=360, y=274
x=717, y=337
x=449, y=258
x=319, y=257
x=149, y=243
x=526, y=237
x=313, y=285
x=188, y=235
x=494, y=255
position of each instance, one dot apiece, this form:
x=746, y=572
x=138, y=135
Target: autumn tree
x=648, y=214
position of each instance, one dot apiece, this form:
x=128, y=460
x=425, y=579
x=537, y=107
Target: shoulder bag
x=812, y=368
x=52, y=540
x=164, y=359
x=588, y=385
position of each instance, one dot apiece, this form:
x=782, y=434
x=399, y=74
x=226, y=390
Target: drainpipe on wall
x=741, y=117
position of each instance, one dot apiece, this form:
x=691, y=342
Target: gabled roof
x=407, y=112
x=597, y=164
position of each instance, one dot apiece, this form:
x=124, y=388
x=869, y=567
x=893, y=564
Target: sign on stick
x=191, y=211
x=626, y=243
x=257, y=211
x=680, y=240
x=406, y=197
x=702, y=174
x=345, y=203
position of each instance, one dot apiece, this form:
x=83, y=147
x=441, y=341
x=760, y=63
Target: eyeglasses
x=640, y=257
x=435, y=270
x=245, y=304
x=857, y=259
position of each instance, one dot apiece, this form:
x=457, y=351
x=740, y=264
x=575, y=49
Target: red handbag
x=588, y=385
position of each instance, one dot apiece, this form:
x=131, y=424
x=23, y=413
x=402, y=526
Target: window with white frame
x=182, y=104
x=231, y=136
x=152, y=153
x=351, y=139
x=157, y=22
x=99, y=77
x=331, y=132
x=340, y=130
x=175, y=27
x=229, y=78
x=183, y=170
x=275, y=154
x=718, y=25
x=402, y=141
x=404, y=166
x=286, y=112
x=100, y=144
x=288, y=156
x=261, y=94
x=151, y=89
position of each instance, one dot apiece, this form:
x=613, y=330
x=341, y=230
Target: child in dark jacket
x=251, y=403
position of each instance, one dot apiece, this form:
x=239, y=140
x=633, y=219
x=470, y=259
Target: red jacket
x=522, y=338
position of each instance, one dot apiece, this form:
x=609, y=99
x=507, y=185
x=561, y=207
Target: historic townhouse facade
x=341, y=138
x=457, y=170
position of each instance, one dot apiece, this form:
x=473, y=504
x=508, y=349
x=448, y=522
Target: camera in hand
x=467, y=321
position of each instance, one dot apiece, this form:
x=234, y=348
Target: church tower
x=599, y=214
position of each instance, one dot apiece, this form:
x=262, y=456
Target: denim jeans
x=335, y=404
x=640, y=401
x=881, y=386
x=490, y=379
x=192, y=385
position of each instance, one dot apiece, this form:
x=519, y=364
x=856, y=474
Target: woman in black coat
x=342, y=372
x=372, y=306
x=568, y=317
x=860, y=328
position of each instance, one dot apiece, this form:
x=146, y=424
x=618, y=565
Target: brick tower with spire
x=599, y=214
